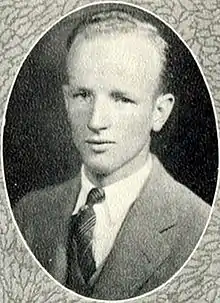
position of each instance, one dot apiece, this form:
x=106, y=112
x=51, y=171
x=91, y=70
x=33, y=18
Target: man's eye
x=82, y=95
x=124, y=100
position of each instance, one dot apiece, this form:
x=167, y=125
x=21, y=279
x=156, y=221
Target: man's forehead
x=113, y=61
x=114, y=24
x=131, y=46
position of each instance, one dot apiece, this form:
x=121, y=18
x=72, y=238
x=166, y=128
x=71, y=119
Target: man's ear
x=65, y=94
x=162, y=109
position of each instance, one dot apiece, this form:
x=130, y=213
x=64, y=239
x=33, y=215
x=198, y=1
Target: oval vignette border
x=21, y=278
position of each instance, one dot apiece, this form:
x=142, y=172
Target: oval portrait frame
x=217, y=129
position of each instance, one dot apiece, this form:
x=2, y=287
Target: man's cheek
x=78, y=126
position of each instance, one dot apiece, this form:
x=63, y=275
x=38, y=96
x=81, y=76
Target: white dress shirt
x=111, y=212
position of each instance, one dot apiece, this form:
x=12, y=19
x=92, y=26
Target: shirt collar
x=119, y=195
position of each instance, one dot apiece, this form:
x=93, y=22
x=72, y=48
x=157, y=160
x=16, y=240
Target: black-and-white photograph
x=110, y=151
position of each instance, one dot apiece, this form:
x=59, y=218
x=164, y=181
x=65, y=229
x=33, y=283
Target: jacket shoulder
x=180, y=197
x=188, y=206
x=40, y=203
x=187, y=212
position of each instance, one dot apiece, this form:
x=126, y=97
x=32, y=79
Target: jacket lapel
x=139, y=247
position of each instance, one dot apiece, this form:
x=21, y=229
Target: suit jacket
x=157, y=236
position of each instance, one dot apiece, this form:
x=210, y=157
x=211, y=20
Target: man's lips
x=99, y=141
x=99, y=145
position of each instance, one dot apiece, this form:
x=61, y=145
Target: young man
x=123, y=226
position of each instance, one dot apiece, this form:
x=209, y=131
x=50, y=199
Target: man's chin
x=98, y=168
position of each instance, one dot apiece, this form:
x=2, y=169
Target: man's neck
x=103, y=180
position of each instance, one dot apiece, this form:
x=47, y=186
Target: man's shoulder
x=40, y=202
x=192, y=212
x=51, y=192
x=185, y=203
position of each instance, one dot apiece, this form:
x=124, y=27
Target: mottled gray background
x=23, y=22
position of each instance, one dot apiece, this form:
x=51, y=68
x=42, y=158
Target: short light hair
x=118, y=21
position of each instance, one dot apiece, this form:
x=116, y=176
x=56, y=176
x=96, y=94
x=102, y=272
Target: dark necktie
x=81, y=231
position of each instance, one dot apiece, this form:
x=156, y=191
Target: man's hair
x=118, y=21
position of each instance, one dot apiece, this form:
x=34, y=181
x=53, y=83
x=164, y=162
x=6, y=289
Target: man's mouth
x=99, y=141
x=99, y=145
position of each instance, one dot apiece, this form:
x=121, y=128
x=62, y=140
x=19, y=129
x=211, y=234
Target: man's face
x=110, y=100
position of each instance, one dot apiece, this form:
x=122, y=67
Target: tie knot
x=96, y=195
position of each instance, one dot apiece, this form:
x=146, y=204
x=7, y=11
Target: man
x=123, y=226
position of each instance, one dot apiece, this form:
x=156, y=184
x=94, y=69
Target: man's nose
x=100, y=115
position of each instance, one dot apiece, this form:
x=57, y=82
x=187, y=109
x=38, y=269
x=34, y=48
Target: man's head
x=113, y=97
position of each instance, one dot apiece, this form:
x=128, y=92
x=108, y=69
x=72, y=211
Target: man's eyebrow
x=80, y=89
x=118, y=93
